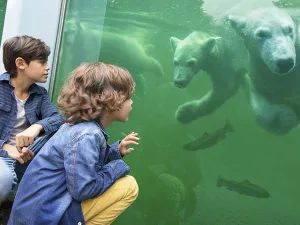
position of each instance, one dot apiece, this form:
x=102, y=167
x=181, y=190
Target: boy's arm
x=114, y=152
x=51, y=118
x=85, y=177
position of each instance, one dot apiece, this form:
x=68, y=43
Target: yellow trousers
x=108, y=206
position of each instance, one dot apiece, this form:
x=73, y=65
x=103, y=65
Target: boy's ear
x=20, y=63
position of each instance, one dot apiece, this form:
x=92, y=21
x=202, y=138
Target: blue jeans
x=13, y=164
x=6, y=180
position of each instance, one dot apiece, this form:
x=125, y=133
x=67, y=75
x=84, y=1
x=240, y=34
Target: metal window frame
x=57, y=47
x=38, y=19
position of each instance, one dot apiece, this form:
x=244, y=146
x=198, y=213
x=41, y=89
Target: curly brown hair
x=93, y=89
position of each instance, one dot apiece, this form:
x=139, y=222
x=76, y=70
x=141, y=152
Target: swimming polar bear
x=85, y=43
x=201, y=51
x=270, y=35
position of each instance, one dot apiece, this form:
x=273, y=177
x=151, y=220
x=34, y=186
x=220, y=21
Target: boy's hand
x=27, y=137
x=128, y=140
x=25, y=155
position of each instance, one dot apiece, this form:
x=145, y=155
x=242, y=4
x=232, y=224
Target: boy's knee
x=131, y=186
x=6, y=181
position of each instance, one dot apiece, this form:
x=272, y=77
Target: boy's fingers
x=25, y=141
x=31, y=153
x=31, y=140
x=130, y=142
x=20, y=142
x=19, y=149
x=130, y=150
x=27, y=153
x=20, y=160
x=132, y=138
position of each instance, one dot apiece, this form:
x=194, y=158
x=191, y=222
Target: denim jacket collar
x=98, y=122
x=32, y=89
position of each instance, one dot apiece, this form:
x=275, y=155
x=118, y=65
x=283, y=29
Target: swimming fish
x=209, y=140
x=244, y=187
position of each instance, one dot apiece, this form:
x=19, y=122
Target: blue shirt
x=38, y=109
x=76, y=164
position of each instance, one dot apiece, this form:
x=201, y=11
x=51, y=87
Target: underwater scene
x=2, y=15
x=217, y=104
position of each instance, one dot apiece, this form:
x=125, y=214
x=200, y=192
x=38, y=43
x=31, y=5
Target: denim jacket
x=38, y=109
x=76, y=164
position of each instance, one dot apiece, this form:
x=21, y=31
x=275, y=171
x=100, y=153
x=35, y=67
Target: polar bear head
x=269, y=35
x=190, y=56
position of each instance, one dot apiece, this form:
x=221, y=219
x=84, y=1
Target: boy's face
x=36, y=71
x=123, y=114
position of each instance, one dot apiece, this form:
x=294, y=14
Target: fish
x=244, y=187
x=209, y=140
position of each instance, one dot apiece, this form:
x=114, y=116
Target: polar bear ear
x=174, y=42
x=210, y=44
x=237, y=22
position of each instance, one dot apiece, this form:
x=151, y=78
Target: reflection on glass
x=2, y=15
x=214, y=149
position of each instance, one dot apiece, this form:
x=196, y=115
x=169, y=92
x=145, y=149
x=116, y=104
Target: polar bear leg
x=214, y=99
x=140, y=84
x=275, y=118
x=192, y=110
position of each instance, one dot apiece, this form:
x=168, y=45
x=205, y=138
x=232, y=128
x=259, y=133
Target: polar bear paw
x=187, y=112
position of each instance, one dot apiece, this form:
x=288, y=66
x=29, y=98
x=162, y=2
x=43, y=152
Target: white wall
x=38, y=18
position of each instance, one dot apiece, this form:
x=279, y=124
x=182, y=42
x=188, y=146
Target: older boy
x=25, y=108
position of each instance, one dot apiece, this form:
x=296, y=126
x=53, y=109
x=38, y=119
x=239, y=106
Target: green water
x=165, y=172
x=2, y=15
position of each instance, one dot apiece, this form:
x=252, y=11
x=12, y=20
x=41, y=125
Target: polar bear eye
x=263, y=34
x=191, y=62
x=288, y=30
x=176, y=62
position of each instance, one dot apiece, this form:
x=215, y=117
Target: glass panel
x=218, y=142
x=2, y=15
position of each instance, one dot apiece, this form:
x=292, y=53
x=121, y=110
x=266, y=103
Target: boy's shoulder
x=5, y=76
x=84, y=129
x=38, y=89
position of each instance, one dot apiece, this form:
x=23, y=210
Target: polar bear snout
x=182, y=76
x=279, y=54
x=180, y=83
x=285, y=65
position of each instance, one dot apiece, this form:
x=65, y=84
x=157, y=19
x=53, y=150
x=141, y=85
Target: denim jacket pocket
x=4, y=107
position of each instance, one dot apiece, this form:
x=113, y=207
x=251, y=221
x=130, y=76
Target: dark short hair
x=92, y=89
x=26, y=47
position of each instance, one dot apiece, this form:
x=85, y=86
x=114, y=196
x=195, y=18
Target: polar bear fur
x=201, y=51
x=270, y=35
x=89, y=44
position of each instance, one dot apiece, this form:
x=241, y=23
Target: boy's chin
x=123, y=120
x=41, y=81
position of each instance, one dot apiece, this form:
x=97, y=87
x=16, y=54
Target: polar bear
x=274, y=74
x=201, y=51
x=88, y=43
x=6, y=181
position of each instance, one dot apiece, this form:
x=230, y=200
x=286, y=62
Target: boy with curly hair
x=78, y=178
